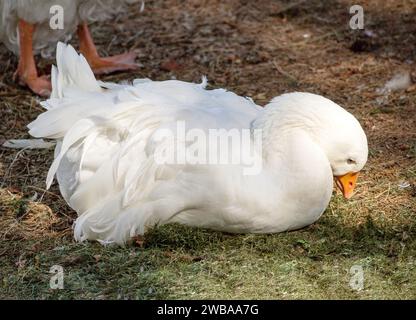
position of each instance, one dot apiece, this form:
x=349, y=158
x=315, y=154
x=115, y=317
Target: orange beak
x=346, y=183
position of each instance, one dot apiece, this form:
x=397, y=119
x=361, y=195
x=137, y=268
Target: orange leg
x=26, y=71
x=103, y=65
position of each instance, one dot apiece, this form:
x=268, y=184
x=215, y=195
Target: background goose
x=105, y=156
x=25, y=29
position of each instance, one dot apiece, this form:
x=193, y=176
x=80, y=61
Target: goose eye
x=350, y=161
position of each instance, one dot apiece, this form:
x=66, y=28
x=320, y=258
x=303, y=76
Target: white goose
x=25, y=29
x=105, y=159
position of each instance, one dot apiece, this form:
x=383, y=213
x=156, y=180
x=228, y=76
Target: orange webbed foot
x=39, y=85
x=99, y=65
x=26, y=73
x=121, y=62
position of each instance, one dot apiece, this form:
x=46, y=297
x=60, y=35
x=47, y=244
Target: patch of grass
x=182, y=262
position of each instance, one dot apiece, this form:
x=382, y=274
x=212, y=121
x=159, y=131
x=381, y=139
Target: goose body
x=39, y=13
x=28, y=27
x=106, y=156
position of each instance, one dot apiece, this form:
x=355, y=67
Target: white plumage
x=105, y=156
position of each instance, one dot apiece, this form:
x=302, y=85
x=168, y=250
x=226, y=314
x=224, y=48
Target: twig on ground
x=284, y=73
x=287, y=8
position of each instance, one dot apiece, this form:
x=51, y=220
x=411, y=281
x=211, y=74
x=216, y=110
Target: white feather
x=28, y=144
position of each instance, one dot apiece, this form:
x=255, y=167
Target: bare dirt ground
x=259, y=49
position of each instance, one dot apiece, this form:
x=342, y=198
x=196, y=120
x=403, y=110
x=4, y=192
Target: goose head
x=336, y=131
x=345, y=145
